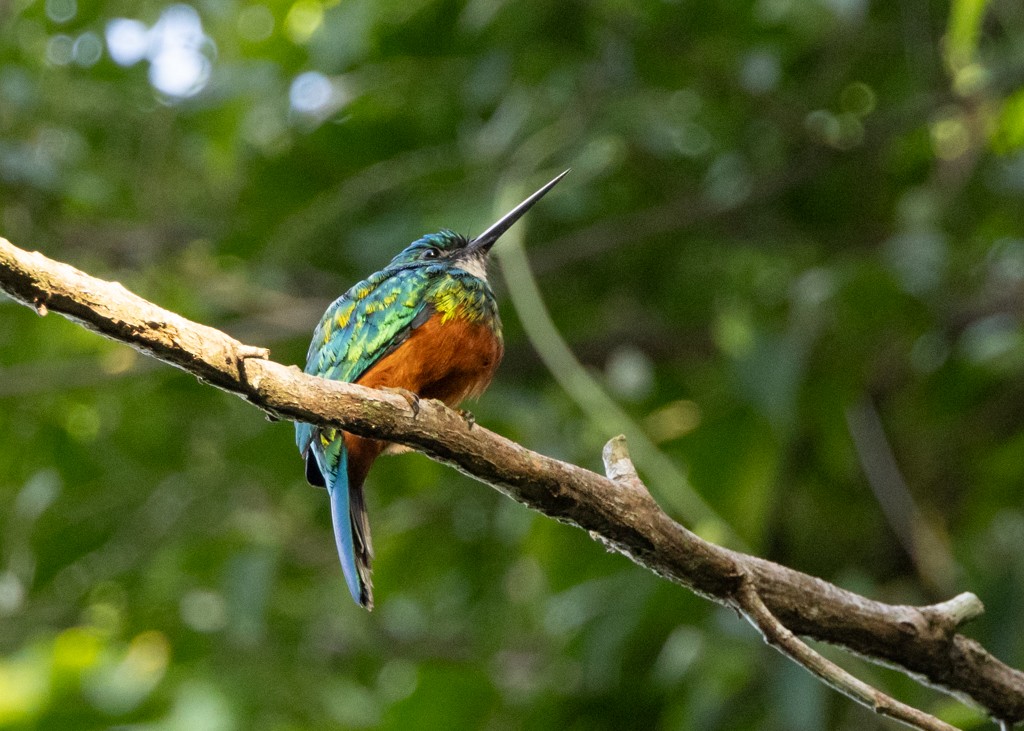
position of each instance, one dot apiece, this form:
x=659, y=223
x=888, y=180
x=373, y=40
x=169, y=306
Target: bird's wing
x=361, y=327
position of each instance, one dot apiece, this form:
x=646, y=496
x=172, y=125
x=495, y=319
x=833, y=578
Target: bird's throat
x=475, y=266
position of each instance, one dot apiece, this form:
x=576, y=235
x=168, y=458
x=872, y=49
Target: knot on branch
x=618, y=465
x=947, y=617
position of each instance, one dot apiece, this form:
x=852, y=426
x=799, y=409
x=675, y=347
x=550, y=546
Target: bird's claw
x=468, y=417
x=410, y=398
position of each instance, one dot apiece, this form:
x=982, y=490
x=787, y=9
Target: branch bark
x=617, y=510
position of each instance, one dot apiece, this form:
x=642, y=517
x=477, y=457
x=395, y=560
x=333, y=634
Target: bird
x=426, y=325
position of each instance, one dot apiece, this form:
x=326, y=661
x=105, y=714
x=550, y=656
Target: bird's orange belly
x=449, y=361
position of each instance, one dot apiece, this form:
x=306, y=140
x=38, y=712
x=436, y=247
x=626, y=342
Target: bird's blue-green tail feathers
x=347, y=515
x=342, y=520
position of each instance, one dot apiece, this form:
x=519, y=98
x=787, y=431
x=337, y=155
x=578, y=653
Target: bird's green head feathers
x=447, y=249
x=434, y=248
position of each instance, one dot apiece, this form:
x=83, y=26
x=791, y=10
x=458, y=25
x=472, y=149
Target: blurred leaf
x=964, y=31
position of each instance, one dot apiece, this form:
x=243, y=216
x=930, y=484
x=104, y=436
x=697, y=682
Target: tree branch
x=617, y=510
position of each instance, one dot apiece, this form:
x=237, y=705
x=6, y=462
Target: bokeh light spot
x=178, y=66
x=629, y=373
x=760, y=71
x=397, y=680
x=87, y=49
x=204, y=611
x=303, y=20
x=82, y=422
x=310, y=93
x=179, y=72
x=59, y=50
x=127, y=41
x=61, y=11
x=24, y=687
x=673, y=420
x=12, y=593
x=148, y=654
x=76, y=649
x=858, y=98
x=950, y=137
x=177, y=48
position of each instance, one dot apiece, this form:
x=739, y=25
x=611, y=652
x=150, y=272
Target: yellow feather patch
x=345, y=315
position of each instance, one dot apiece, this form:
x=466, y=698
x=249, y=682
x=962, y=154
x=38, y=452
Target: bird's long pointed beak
x=486, y=240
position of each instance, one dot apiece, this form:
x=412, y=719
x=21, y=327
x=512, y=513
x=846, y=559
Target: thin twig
x=776, y=635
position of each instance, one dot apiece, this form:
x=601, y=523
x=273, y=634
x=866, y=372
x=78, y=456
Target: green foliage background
x=792, y=229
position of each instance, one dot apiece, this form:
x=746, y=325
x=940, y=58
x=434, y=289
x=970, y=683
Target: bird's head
x=452, y=250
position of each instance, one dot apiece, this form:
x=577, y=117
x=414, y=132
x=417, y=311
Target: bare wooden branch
x=922, y=641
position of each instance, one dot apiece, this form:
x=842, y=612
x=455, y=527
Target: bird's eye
x=431, y=254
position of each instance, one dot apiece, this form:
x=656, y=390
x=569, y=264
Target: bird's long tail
x=351, y=532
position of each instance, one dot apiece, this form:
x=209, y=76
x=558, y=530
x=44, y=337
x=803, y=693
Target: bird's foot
x=410, y=398
x=468, y=417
